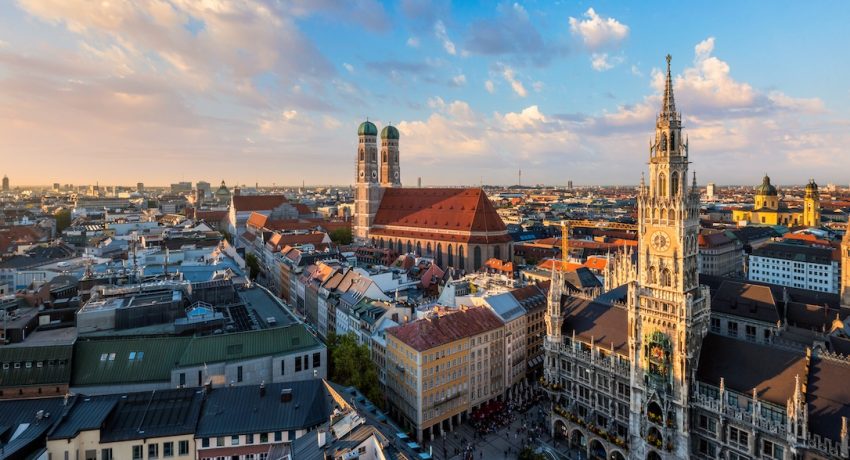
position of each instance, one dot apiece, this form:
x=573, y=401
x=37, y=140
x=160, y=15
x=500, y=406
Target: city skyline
x=265, y=93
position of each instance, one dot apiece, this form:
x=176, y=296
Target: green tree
x=351, y=365
x=253, y=265
x=342, y=236
x=63, y=220
x=227, y=236
x=529, y=454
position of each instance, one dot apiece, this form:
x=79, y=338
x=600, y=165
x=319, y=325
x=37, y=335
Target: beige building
x=440, y=368
x=720, y=254
x=137, y=426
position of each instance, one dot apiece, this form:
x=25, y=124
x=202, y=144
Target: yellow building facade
x=768, y=209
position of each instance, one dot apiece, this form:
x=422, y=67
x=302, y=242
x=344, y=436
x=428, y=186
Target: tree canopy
x=351, y=365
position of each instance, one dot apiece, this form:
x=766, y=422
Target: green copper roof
x=389, y=132
x=367, y=128
x=766, y=188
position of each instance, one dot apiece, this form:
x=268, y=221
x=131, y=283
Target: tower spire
x=668, y=107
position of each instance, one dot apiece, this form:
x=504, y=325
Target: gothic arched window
x=385, y=156
x=497, y=252
x=666, y=278
x=662, y=185
x=461, y=262
x=663, y=214
x=451, y=257
x=439, y=255
x=428, y=249
x=418, y=248
x=476, y=257
x=674, y=183
x=409, y=247
x=651, y=277
x=362, y=155
x=663, y=142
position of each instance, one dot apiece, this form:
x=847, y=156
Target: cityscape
x=208, y=250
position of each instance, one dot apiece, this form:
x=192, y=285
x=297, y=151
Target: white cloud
x=598, y=32
x=636, y=71
x=602, y=61
x=348, y=67
x=489, y=86
x=413, y=42
x=443, y=36
x=459, y=80
x=516, y=85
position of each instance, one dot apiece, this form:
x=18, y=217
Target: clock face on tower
x=660, y=241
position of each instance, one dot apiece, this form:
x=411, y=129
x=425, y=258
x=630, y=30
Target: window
x=715, y=325
x=317, y=359
x=234, y=440
x=283, y=367
x=91, y=454
x=733, y=328
x=707, y=423
x=249, y=438
x=219, y=441
x=278, y=436
x=205, y=442
x=771, y=450
x=182, y=379
x=738, y=436
x=297, y=364
x=106, y=454
x=183, y=447
x=239, y=374
x=168, y=449
x=264, y=437
x=137, y=452
x=153, y=450
x=751, y=332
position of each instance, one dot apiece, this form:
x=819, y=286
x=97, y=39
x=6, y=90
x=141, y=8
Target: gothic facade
x=657, y=369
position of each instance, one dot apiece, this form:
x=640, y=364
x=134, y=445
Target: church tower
x=390, y=169
x=811, y=205
x=845, y=268
x=668, y=311
x=367, y=195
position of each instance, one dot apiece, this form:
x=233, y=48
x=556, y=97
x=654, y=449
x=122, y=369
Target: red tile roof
x=258, y=202
x=431, y=210
x=278, y=241
x=210, y=216
x=428, y=333
x=256, y=220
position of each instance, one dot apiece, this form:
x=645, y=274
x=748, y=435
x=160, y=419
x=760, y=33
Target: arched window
x=662, y=185
x=663, y=142
x=663, y=214
x=674, y=183
x=385, y=156
x=418, y=248
x=398, y=245
x=666, y=278
x=461, y=261
x=672, y=140
x=439, y=255
x=497, y=252
x=476, y=257
x=428, y=250
x=651, y=277
x=362, y=155
x=655, y=213
x=409, y=247
x=451, y=258
x=381, y=243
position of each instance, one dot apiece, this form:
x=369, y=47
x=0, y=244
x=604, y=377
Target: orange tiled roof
x=258, y=202
x=256, y=220
x=596, y=263
x=436, y=209
x=548, y=263
x=500, y=265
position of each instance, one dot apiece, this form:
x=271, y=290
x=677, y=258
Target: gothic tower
x=845, y=267
x=668, y=311
x=390, y=168
x=811, y=205
x=367, y=195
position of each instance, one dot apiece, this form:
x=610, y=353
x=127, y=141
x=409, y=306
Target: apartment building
x=442, y=367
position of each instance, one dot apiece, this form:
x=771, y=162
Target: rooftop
x=428, y=333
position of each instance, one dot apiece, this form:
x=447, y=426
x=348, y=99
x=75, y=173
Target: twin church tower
x=374, y=173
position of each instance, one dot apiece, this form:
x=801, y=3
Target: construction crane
x=600, y=224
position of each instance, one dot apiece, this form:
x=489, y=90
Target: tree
x=63, y=220
x=351, y=365
x=253, y=265
x=529, y=454
x=227, y=236
x=342, y=236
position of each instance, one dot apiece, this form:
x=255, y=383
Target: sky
x=272, y=92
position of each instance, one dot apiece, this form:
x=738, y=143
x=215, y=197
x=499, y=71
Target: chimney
x=322, y=437
x=262, y=389
x=286, y=395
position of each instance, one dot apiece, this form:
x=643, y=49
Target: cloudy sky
x=272, y=91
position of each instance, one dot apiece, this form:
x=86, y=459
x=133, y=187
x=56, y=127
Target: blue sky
x=272, y=92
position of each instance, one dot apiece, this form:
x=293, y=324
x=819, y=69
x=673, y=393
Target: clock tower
x=668, y=311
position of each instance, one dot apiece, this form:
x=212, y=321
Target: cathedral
x=456, y=227
x=769, y=210
x=666, y=367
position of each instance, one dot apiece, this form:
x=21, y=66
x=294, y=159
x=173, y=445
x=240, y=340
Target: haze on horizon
x=252, y=91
